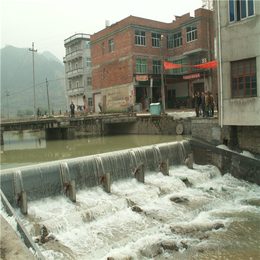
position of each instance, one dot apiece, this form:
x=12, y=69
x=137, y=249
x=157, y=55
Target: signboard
x=141, y=77
x=192, y=76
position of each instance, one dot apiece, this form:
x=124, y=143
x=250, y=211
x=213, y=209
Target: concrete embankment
x=12, y=247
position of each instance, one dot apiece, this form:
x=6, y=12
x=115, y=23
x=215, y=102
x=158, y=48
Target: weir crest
x=54, y=178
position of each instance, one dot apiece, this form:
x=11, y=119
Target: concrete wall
x=161, y=125
x=239, y=41
x=237, y=137
x=238, y=165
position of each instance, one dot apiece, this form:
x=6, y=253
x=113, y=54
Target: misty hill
x=50, y=56
x=17, y=78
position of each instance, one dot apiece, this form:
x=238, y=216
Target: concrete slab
x=12, y=247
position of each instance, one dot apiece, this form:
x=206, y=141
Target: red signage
x=192, y=76
x=141, y=77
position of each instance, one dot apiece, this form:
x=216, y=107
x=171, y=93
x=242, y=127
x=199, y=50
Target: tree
x=20, y=113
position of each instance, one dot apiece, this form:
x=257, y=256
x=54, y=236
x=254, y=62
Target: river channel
x=190, y=214
x=32, y=148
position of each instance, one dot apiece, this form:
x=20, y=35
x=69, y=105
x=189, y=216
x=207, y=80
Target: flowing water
x=190, y=214
x=214, y=217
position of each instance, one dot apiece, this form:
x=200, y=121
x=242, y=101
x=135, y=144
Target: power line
x=39, y=84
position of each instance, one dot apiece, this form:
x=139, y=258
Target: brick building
x=127, y=57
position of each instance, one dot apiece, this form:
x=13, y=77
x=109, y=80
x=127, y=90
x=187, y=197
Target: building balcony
x=77, y=36
x=74, y=73
x=75, y=91
x=73, y=56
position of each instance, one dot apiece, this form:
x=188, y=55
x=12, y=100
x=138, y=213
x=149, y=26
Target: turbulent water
x=190, y=214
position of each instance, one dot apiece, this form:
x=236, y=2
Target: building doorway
x=171, y=98
x=97, y=99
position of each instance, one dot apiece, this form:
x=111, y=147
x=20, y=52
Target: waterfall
x=50, y=179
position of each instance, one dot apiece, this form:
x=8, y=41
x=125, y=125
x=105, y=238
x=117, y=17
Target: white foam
x=101, y=225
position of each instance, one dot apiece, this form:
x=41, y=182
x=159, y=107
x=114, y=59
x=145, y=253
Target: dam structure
x=67, y=176
x=96, y=206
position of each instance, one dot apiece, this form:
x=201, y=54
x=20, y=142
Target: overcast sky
x=48, y=23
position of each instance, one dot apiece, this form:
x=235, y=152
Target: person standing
x=199, y=103
x=203, y=103
x=212, y=104
x=207, y=104
x=72, y=109
x=195, y=98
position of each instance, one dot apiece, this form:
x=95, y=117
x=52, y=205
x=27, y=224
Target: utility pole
x=47, y=84
x=7, y=95
x=162, y=81
x=33, y=51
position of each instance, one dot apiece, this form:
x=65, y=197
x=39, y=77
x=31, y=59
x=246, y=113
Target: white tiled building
x=78, y=70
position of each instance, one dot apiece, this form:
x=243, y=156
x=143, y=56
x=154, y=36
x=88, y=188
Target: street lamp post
x=162, y=80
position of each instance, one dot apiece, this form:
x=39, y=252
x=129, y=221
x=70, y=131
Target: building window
x=76, y=48
x=77, y=84
x=240, y=9
x=69, y=50
x=89, y=81
x=103, y=48
x=90, y=102
x=191, y=33
x=76, y=65
x=169, y=41
x=87, y=45
x=243, y=75
x=111, y=45
x=156, y=39
x=177, y=39
x=179, y=70
x=88, y=62
x=156, y=66
x=69, y=84
x=141, y=66
x=69, y=66
x=104, y=73
x=174, y=40
x=140, y=38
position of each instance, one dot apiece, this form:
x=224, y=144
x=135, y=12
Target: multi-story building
x=127, y=58
x=238, y=34
x=78, y=70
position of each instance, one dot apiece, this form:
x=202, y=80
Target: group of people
x=204, y=104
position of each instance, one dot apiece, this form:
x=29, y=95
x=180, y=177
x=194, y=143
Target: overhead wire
x=39, y=84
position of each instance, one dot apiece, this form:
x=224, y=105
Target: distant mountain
x=17, y=79
x=50, y=56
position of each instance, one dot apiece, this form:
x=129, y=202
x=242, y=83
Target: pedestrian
x=217, y=101
x=199, y=103
x=195, y=98
x=72, y=109
x=38, y=112
x=212, y=104
x=207, y=104
x=203, y=104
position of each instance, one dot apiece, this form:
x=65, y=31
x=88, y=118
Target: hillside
x=17, y=78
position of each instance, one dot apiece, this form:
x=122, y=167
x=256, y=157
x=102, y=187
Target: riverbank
x=12, y=247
